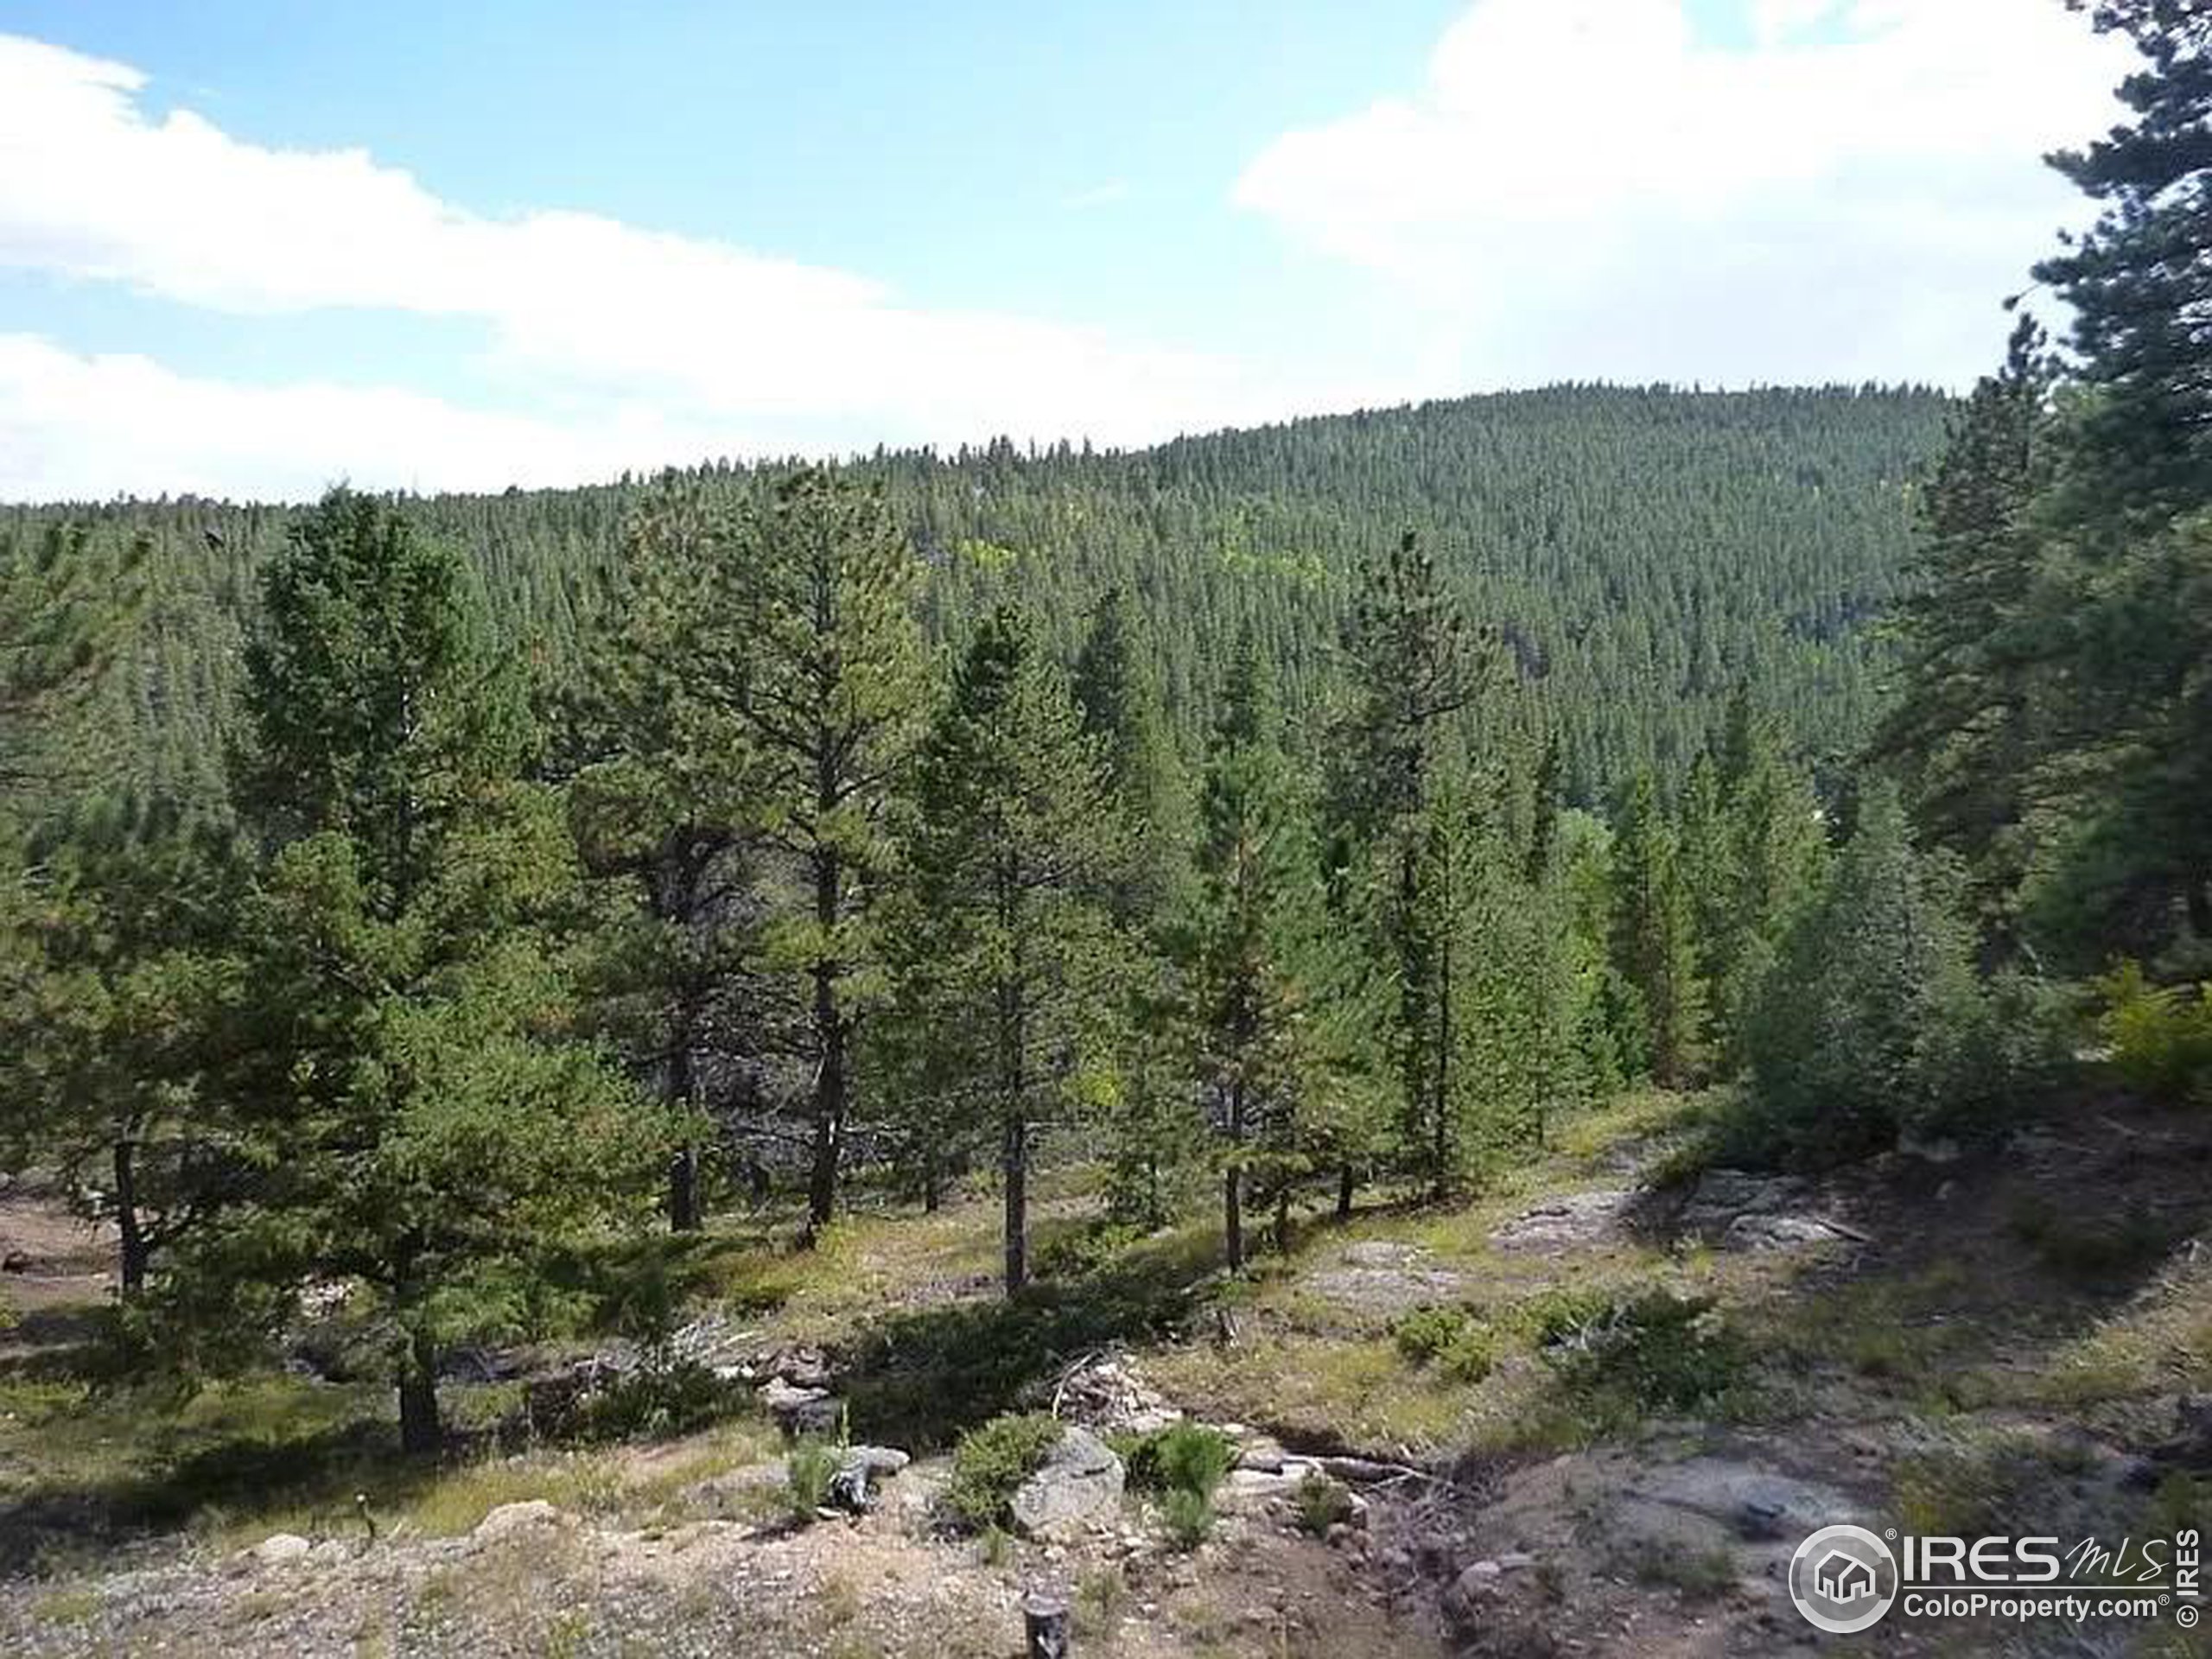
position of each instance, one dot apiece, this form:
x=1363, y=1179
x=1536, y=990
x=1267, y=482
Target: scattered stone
x=1721, y=1195
x=1079, y=1482
x=1764, y=1232
x=1261, y=1455
x=1109, y=1394
x=852, y=1487
x=1466, y=1603
x=799, y=1410
x=281, y=1549
x=1579, y=1218
x=1934, y=1150
x=511, y=1519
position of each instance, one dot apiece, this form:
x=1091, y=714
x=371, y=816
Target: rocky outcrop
x=1378, y=1276
x=1567, y=1223
x=1078, y=1484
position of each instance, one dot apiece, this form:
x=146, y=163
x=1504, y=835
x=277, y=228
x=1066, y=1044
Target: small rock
x=1577, y=1218
x=1515, y=1561
x=281, y=1549
x=1761, y=1232
x=510, y=1519
x=852, y=1487
x=1338, y=1536
x=1080, y=1481
x=1262, y=1455
x=1465, y=1604
x=800, y=1410
x=16, y=1261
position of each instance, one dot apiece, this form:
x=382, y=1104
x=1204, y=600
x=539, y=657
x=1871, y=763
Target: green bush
x=652, y=1403
x=1426, y=1332
x=1653, y=1352
x=1188, y=1516
x=1874, y=1019
x=991, y=1461
x=1181, y=1458
x=1469, y=1356
x=807, y=1471
x=1322, y=1503
x=2160, y=1035
x=1081, y=1250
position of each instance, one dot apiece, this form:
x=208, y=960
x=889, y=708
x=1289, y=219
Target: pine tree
x=1962, y=730
x=1115, y=685
x=1015, y=851
x=802, y=641
x=1259, y=1004
x=1874, y=1018
x=415, y=1126
x=1655, y=936
x=119, y=1026
x=657, y=772
x=1413, y=670
x=2139, y=282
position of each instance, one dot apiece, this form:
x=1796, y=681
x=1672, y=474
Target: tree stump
x=1046, y=1619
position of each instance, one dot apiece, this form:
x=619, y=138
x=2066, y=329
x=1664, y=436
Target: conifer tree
x=1015, y=854
x=1413, y=670
x=120, y=1024
x=802, y=643
x=1963, y=729
x=1874, y=1018
x=415, y=1127
x=1267, y=1034
x=1146, y=1125
x=658, y=771
x=1655, y=934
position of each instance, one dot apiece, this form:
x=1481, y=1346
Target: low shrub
x=807, y=1471
x=1181, y=1458
x=1081, y=1250
x=1188, y=1516
x=1427, y=1332
x=1321, y=1504
x=991, y=1461
x=654, y=1401
x=2160, y=1035
x=1655, y=1352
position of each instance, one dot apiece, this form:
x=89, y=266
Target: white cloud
x=1582, y=187
x=730, y=346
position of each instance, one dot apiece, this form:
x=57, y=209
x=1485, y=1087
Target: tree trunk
x=683, y=1169
x=1440, y=1082
x=1014, y=1156
x=1282, y=1220
x=134, y=1248
x=2199, y=897
x=829, y=1036
x=421, y=1435
x=1232, y=1182
x=1347, y=1182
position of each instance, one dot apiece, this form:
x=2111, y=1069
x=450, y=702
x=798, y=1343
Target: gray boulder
x=1079, y=1483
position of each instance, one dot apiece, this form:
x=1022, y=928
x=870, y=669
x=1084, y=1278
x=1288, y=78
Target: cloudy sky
x=248, y=247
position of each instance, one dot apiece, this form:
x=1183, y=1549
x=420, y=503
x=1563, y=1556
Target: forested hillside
x=1641, y=551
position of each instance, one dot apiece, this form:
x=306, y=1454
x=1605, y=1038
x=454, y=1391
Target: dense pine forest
x=1642, y=553
x=447, y=908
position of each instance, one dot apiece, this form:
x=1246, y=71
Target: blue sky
x=246, y=248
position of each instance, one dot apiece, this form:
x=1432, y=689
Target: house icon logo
x=1843, y=1579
